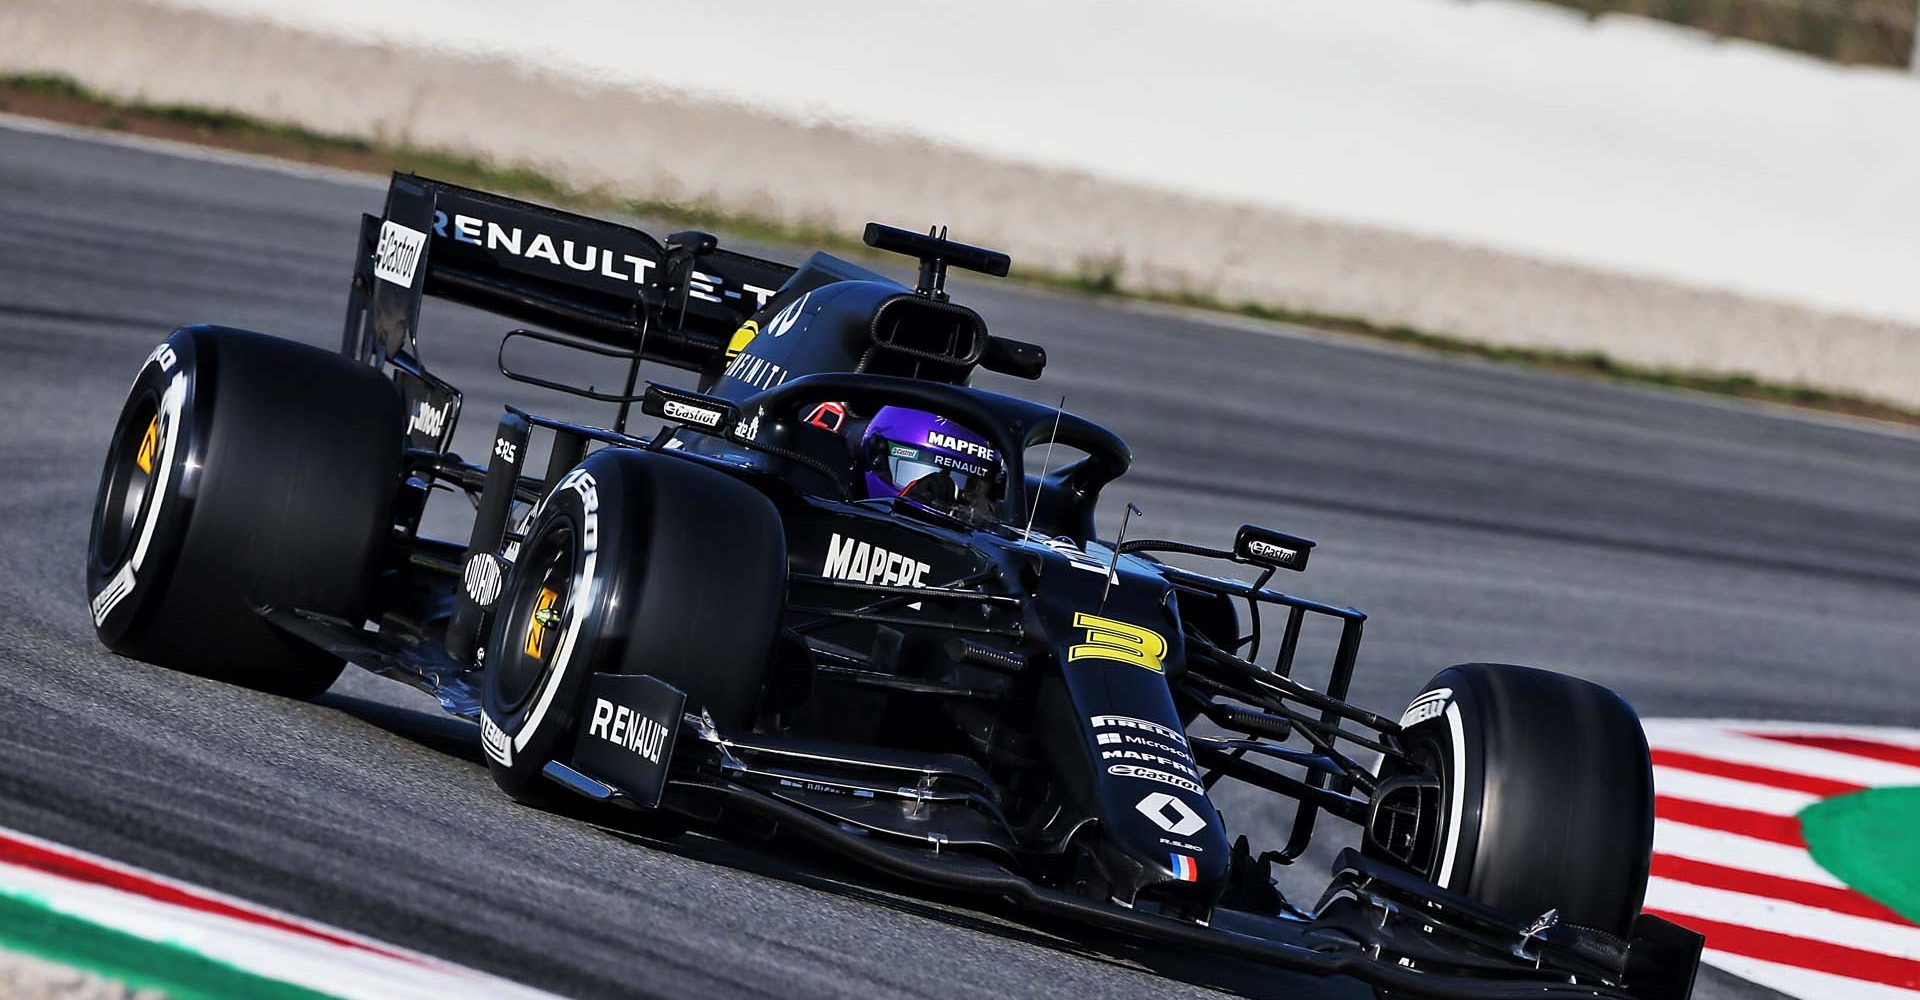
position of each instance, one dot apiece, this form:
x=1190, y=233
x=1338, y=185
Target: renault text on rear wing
x=580, y=276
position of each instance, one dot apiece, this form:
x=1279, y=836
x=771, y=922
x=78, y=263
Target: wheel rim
x=1427, y=758
x=525, y=658
x=139, y=450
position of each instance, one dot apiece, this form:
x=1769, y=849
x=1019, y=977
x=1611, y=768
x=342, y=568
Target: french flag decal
x=1184, y=869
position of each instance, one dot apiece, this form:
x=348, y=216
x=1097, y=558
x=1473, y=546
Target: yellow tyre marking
x=542, y=618
x=149, y=443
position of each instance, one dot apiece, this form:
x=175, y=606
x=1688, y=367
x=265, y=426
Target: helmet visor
x=907, y=465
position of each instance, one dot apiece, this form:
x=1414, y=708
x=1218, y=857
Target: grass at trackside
x=61, y=99
x=173, y=971
x=1869, y=840
x=1850, y=33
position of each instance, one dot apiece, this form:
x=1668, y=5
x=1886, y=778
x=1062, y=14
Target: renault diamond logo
x=1170, y=814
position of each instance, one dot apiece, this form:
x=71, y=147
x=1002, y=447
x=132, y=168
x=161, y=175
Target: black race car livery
x=725, y=624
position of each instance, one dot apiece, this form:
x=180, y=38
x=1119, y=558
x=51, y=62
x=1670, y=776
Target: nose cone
x=1114, y=646
x=1161, y=829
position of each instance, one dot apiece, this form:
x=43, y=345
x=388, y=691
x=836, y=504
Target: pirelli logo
x=1107, y=639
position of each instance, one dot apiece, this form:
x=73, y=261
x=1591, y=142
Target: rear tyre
x=1546, y=794
x=636, y=564
x=245, y=471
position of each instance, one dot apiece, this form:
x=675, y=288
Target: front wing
x=1376, y=924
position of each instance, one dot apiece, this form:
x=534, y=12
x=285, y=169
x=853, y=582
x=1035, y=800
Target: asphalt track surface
x=1705, y=558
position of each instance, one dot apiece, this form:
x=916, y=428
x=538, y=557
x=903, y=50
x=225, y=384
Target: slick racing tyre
x=1545, y=794
x=245, y=471
x=636, y=563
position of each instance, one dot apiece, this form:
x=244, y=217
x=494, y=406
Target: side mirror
x=693, y=409
x=1014, y=357
x=1273, y=549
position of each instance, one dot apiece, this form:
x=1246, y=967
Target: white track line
x=1799, y=982
x=1782, y=917
x=1720, y=791
x=1715, y=741
x=1885, y=734
x=1734, y=851
x=260, y=950
x=270, y=952
x=285, y=954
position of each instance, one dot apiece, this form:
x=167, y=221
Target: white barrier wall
x=1626, y=143
x=1486, y=168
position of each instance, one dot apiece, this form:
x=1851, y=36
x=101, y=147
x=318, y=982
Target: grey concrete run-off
x=1704, y=558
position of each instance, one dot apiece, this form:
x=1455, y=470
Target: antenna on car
x=1058, y=412
x=1113, y=565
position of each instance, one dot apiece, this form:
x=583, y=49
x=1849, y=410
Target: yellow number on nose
x=1111, y=640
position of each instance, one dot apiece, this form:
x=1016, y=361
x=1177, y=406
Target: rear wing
x=614, y=285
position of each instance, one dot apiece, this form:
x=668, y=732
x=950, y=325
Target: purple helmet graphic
x=928, y=458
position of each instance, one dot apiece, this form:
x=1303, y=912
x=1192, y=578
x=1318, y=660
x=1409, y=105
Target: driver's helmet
x=926, y=458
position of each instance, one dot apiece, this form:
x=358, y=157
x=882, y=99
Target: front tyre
x=637, y=563
x=244, y=471
x=1545, y=794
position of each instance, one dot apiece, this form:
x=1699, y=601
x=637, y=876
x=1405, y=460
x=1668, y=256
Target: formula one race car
x=846, y=598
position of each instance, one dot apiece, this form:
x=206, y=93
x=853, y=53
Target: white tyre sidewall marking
x=1428, y=705
x=124, y=580
x=581, y=482
x=1456, y=793
x=494, y=741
